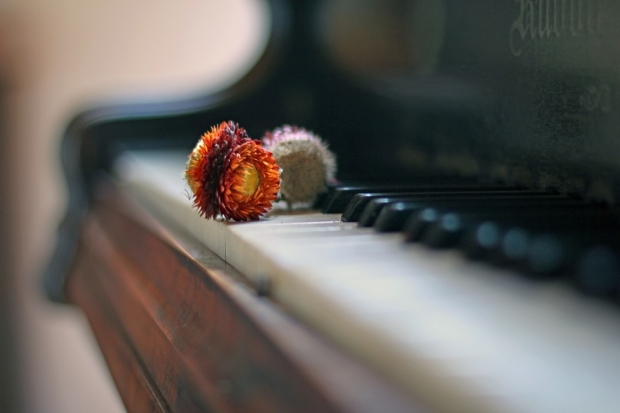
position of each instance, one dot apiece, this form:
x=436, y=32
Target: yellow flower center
x=249, y=180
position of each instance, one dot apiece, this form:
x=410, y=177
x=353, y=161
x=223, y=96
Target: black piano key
x=358, y=203
x=409, y=205
x=392, y=218
x=589, y=257
x=514, y=246
x=446, y=231
x=417, y=223
x=478, y=239
x=545, y=242
x=546, y=255
x=471, y=199
x=598, y=271
x=406, y=207
x=496, y=243
x=592, y=265
x=399, y=210
x=540, y=255
x=373, y=209
x=450, y=229
x=338, y=198
x=528, y=251
x=486, y=237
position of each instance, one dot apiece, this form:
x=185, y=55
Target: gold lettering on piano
x=547, y=19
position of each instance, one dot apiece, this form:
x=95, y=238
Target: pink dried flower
x=306, y=162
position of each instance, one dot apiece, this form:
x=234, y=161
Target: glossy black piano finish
x=520, y=92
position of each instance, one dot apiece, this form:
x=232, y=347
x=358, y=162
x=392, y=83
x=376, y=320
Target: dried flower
x=232, y=175
x=307, y=164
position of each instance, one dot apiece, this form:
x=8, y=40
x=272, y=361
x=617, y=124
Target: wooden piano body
x=517, y=92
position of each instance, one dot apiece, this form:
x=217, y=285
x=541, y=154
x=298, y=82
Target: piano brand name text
x=544, y=19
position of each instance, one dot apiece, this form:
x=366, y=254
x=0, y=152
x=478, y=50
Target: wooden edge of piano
x=180, y=331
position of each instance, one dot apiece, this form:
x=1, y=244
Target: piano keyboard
x=459, y=335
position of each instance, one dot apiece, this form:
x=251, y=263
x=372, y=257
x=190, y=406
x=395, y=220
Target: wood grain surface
x=179, y=336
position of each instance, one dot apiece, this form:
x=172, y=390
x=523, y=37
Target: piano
x=467, y=259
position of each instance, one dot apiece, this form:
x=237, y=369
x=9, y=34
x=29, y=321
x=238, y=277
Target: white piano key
x=460, y=336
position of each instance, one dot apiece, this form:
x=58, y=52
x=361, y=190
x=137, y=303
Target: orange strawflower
x=232, y=175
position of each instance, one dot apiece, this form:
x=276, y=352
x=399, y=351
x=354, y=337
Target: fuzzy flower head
x=232, y=175
x=307, y=164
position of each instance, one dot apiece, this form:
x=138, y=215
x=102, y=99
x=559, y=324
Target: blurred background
x=55, y=58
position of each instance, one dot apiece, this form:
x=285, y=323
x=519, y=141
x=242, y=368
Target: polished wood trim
x=182, y=336
x=132, y=379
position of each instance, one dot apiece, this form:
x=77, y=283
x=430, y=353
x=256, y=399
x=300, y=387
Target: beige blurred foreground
x=56, y=57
